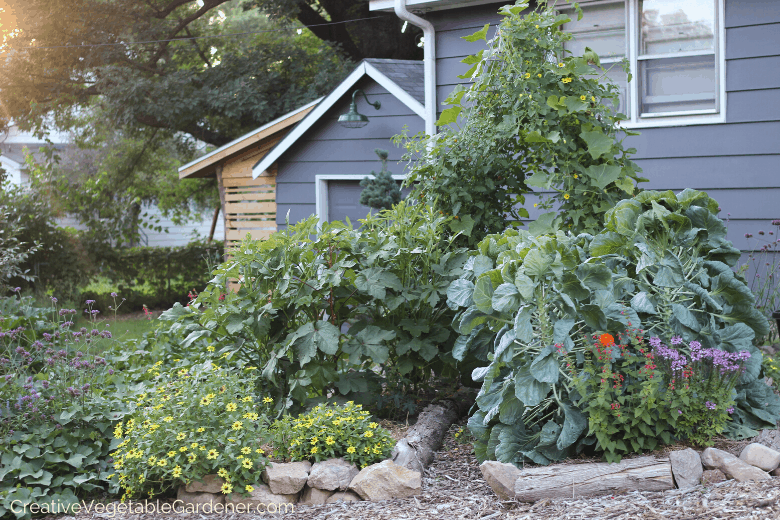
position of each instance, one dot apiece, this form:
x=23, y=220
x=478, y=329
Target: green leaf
x=310, y=337
x=479, y=35
x=462, y=225
x=525, y=285
x=483, y=295
x=685, y=317
x=506, y=298
x=598, y=144
x=536, y=263
x=523, y=330
x=537, y=180
x=603, y=174
x=375, y=281
x=535, y=137
x=574, y=424
x=607, y=243
x=482, y=264
x=459, y=293
x=641, y=303
x=234, y=324
x=449, y=115
x=594, y=276
x=371, y=342
x=543, y=224
x=530, y=391
x=545, y=367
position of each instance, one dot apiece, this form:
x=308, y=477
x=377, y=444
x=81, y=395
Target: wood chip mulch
x=453, y=489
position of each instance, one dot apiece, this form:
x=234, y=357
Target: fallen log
x=416, y=450
x=593, y=479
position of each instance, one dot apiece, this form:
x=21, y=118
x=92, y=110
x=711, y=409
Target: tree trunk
x=582, y=480
x=415, y=451
x=214, y=222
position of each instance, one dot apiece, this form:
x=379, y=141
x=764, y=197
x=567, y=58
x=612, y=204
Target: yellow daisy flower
x=171, y=454
x=246, y=450
x=177, y=471
x=314, y=449
x=247, y=399
x=181, y=436
x=183, y=449
x=168, y=419
x=247, y=463
x=249, y=488
x=212, y=454
x=162, y=463
x=368, y=434
x=231, y=407
x=237, y=425
x=267, y=400
x=351, y=449
x=227, y=488
x=223, y=473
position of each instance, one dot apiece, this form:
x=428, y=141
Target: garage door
x=343, y=201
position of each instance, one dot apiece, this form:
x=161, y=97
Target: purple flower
x=695, y=345
x=111, y=371
x=748, y=235
x=53, y=299
x=761, y=233
x=679, y=412
x=730, y=410
x=16, y=289
x=655, y=342
x=114, y=295
x=710, y=405
x=90, y=302
x=676, y=340
x=776, y=222
x=95, y=312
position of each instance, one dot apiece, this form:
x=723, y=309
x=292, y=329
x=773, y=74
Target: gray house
x=318, y=165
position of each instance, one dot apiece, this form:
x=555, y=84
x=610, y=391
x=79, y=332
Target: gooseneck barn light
x=354, y=119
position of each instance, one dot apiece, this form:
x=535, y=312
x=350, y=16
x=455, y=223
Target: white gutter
x=429, y=62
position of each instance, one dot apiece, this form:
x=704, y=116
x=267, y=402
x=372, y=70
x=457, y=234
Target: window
x=675, y=53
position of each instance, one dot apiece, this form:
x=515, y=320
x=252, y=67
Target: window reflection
x=672, y=26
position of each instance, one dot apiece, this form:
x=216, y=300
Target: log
x=416, y=450
x=594, y=479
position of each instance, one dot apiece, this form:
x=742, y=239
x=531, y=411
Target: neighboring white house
x=15, y=144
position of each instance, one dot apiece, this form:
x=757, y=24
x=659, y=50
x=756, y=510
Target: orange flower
x=606, y=340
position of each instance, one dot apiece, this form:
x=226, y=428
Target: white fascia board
x=427, y=5
x=327, y=102
x=402, y=95
x=250, y=134
x=321, y=202
x=11, y=163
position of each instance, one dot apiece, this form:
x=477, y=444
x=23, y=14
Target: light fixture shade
x=354, y=119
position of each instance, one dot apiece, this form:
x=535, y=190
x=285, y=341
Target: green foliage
x=155, y=277
x=318, y=310
x=382, y=191
x=328, y=432
x=661, y=265
x=188, y=424
x=528, y=100
x=58, y=400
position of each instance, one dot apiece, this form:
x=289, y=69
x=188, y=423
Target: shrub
x=333, y=431
x=319, y=310
x=381, y=192
x=190, y=423
x=58, y=399
x=661, y=266
x=527, y=100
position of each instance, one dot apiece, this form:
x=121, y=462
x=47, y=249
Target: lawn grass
x=123, y=327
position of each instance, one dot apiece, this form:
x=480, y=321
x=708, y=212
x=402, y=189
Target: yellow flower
x=535, y=204
x=202, y=448
x=527, y=75
x=192, y=457
x=227, y=488
x=240, y=457
x=246, y=450
x=141, y=479
x=249, y=488
x=267, y=400
x=194, y=445
x=152, y=460
x=177, y=471
x=237, y=425
x=560, y=64
x=537, y=26
x=162, y=462
x=593, y=99
x=212, y=454
x=314, y=449
x=231, y=440
x=314, y=440
x=250, y=368
x=231, y=407
x=171, y=454
x=168, y=419
x=201, y=430
x=258, y=450
x=183, y=449
x=210, y=348
x=351, y=449
x=576, y=176
x=247, y=399
x=373, y=425
x=583, y=97
x=205, y=401
x=566, y=196
x=223, y=473
x=368, y=434
x=181, y=436
x=247, y=463
x=330, y=441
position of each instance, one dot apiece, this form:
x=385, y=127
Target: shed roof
x=404, y=79
x=206, y=166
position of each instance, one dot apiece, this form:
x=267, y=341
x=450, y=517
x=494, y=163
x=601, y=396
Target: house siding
x=329, y=148
x=736, y=162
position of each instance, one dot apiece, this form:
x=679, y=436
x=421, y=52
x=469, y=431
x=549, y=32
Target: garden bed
x=453, y=488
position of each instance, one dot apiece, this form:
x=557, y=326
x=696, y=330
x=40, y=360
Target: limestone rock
x=262, y=494
x=731, y=466
x=712, y=476
x=769, y=438
x=686, y=468
x=332, y=474
x=199, y=499
x=209, y=484
x=386, y=480
x=343, y=496
x=760, y=456
x=500, y=477
x=314, y=497
x=286, y=478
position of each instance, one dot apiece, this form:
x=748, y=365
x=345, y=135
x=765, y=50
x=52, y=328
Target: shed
x=248, y=204
x=318, y=165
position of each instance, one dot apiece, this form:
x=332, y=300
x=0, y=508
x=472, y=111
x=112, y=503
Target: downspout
x=429, y=62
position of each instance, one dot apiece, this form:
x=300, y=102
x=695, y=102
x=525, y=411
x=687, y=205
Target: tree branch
x=333, y=33
x=197, y=48
x=193, y=129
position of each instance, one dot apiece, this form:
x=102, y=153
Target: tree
x=140, y=59
x=381, y=192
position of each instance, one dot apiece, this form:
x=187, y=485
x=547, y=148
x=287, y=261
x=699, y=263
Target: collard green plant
x=319, y=310
x=661, y=265
x=529, y=99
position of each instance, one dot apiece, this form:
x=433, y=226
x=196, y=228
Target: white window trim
x=321, y=191
x=697, y=117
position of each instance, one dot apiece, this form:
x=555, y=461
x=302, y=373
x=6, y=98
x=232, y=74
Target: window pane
x=677, y=84
x=602, y=28
x=675, y=26
x=618, y=76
